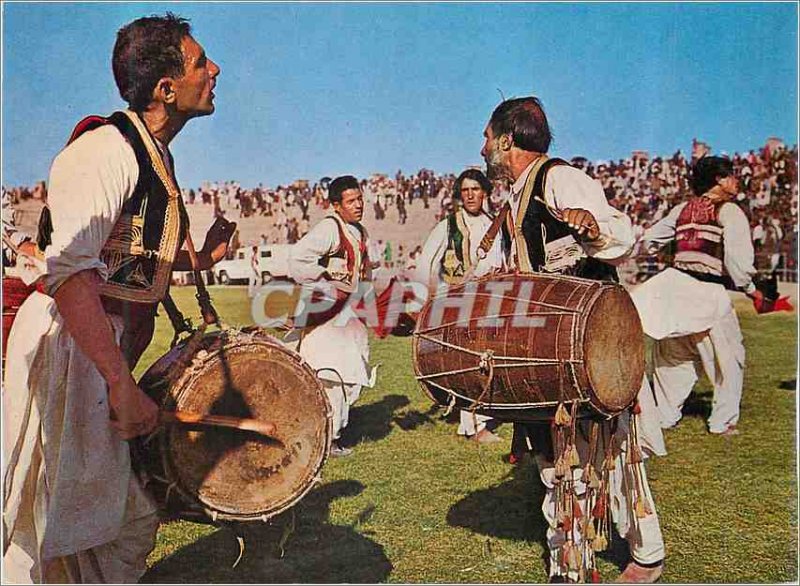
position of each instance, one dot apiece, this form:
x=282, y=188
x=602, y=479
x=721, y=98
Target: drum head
x=614, y=350
x=239, y=475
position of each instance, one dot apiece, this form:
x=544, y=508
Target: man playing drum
x=336, y=251
x=558, y=220
x=73, y=509
x=450, y=254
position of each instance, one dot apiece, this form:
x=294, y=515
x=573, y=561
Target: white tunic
x=689, y=318
x=330, y=346
x=428, y=269
x=55, y=402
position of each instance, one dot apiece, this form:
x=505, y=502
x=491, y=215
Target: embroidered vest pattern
x=699, y=237
x=353, y=252
x=146, y=237
x=456, y=260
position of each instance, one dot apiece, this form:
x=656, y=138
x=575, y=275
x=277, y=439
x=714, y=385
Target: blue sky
x=309, y=90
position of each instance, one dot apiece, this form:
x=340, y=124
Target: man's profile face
x=351, y=208
x=472, y=196
x=730, y=185
x=195, y=89
x=493, y=155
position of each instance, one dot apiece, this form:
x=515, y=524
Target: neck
x=342, y=218
x=718, y=195
x=161, y=124
x=473, y=214
x=519, y=161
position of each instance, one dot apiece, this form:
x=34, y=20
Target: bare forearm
x=205, y=259
x=79, y=304
x=184, y=263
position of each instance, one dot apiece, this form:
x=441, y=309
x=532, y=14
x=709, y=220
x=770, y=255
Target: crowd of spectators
x=284, y=209
x=645, y=188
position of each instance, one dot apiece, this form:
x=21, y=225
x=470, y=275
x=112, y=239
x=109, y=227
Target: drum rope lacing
x=485, y=364
x=518, y=360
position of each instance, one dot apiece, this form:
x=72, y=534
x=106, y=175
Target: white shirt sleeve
x=571, y=188
x=429, y=261
x=90, y=180
x=662, y=232
x=739, y=254
x=304, y=256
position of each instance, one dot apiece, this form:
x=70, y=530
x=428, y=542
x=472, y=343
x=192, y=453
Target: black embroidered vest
x=539, y=227
x=146, y=237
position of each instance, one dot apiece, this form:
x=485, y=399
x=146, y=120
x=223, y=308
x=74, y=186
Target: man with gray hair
x=557, y=220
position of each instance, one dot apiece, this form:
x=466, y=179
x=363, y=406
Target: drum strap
x=491, y=234
x=180, y=323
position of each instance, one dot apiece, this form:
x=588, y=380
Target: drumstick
x=188, y=417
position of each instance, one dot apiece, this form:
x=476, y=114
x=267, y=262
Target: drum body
x=204, y=473
x=15, y=292
x=516, y=345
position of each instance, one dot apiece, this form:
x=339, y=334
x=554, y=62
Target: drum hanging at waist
x=514, y=346
x=211, y=474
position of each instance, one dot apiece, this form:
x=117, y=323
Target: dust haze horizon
x=321, y=89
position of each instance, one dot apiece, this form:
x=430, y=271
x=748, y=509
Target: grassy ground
x=416, y=503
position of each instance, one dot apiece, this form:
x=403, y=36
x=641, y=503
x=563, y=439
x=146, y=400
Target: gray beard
x=496, y=170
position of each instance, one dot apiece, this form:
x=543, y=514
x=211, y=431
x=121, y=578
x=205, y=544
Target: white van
x=273, y=261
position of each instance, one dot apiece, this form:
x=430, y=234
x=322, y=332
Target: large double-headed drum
x=204, y=473
x=514, y=346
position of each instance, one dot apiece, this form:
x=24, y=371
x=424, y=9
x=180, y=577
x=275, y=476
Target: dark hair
x=524, y=119
x=707, y=170
x=146, y=50
x=339, y=185
x=475, y=175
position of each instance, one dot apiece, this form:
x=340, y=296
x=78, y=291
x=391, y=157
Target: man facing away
x=73, y=509
x=558, y=221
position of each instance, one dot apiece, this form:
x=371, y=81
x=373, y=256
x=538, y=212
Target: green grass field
x=416, y=503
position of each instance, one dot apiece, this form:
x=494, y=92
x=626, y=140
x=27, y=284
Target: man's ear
x=505, y=142
x=165, y=90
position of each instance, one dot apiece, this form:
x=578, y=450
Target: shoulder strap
x=541, y=178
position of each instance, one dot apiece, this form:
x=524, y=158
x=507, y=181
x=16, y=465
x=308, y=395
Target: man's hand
x=583, y=222
x=217, y=238
x=133, y=413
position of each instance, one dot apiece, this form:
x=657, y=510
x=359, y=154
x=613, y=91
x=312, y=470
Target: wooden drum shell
x=583, y=342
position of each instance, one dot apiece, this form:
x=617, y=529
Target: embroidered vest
x=350, y=260
x=456, y=260
x=540, y=242
x=146, y=237
x=699, y=247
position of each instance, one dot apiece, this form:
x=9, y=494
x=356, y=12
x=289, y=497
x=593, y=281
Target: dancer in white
x=686, y=309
